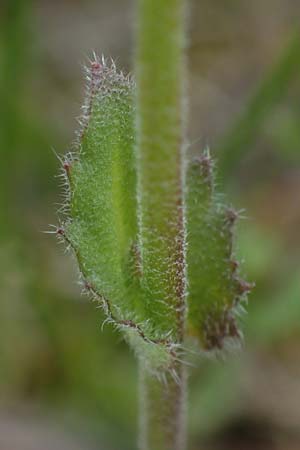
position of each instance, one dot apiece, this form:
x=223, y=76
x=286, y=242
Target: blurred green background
x=64, y=384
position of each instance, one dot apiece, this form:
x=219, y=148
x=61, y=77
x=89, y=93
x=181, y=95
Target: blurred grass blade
x=14, y=37
x=271, y=90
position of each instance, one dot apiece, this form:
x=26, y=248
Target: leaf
x=101, y=223
x=214, y=286
x=102, y=226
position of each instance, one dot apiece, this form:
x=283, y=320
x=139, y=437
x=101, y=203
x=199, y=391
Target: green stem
x=160, y=161
x=159, y=70
x=162, y=410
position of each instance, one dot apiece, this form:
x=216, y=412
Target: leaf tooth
x=60, y=231
x=206, y=165
x=218, y=328
x=67, y=163
x=203, y=167
x=243, y=287
x=234, y=265
x=231, y=215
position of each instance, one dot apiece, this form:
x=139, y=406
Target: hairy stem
x=159, y=70
x=160, y=163
x=162, y=410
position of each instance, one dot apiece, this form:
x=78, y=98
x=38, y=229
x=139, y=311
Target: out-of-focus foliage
x=54, y=359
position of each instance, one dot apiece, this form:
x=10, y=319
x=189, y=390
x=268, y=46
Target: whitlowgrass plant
x=152, y=237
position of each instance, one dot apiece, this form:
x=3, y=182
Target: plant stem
x=160, y=161
x=159, y=71
x=162, y=411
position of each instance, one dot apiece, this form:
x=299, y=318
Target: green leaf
x=215, y=288
x=101, y=223
x=102, y=228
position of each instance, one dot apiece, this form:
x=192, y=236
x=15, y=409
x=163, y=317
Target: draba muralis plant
x=151, y=235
